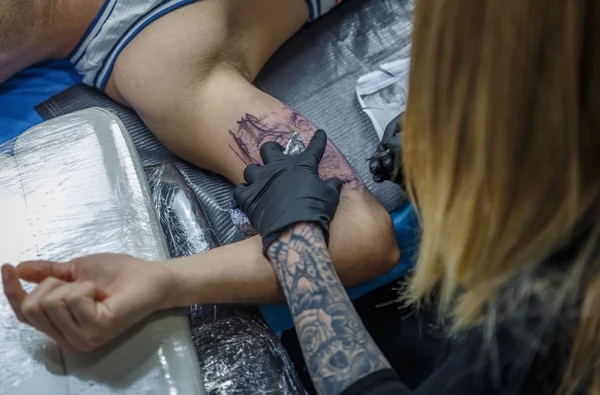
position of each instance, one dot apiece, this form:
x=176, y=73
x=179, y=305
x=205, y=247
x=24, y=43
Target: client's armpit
x=255, y=130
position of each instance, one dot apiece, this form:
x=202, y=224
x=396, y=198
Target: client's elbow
x=390, y=253
x=363, y=243
x=383, y=253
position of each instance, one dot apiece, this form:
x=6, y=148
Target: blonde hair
x=502, y=158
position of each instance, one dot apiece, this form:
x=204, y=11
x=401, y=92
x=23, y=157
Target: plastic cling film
x=241, y=221
x=71, y=187
x=237, y=352
x=186, y=227
x=382, y=94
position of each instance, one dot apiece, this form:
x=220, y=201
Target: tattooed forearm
x=253, y=131
x=337, y=348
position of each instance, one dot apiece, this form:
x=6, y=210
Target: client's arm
x=188, y=75
x=220, y=125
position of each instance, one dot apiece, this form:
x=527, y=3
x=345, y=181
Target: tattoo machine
x=386, y=162
x=294, y=147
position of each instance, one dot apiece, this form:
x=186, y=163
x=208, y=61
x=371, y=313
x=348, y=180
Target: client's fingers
x=13, y=290
x=63, y=308
x=36, y=317
x=38, y=271
x=84, y=305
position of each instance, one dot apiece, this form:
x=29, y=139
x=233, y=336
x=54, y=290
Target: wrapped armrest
x=70, y=187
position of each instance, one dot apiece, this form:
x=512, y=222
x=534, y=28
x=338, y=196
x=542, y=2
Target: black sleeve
x=459, y=375
x=382, y=382
x=511, y=365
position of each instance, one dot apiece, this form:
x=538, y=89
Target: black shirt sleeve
x=382, y=382
x=508, y=366
x=461, y=374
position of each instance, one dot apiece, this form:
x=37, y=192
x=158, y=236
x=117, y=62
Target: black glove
x=386, y=163
x=287, y=190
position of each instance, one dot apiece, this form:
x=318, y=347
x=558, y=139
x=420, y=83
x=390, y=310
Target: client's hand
x=287, y=190
x=86, y=302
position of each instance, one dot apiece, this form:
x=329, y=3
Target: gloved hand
x=386, y=163
x=287, y=190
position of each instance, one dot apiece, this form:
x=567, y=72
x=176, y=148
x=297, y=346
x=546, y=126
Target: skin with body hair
x=15, y=31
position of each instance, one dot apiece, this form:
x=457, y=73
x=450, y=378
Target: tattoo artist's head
x=502, y=149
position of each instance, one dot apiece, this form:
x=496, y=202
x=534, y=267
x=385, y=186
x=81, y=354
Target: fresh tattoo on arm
x=253, y=131
x=337, y=348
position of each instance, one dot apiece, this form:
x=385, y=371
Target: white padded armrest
x=74, y=186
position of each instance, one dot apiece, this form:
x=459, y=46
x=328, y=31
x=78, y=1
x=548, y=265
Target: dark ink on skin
x=238, y=155
x=337, y=347
x=253, y=131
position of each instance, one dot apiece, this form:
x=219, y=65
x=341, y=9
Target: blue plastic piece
x=21, y=94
